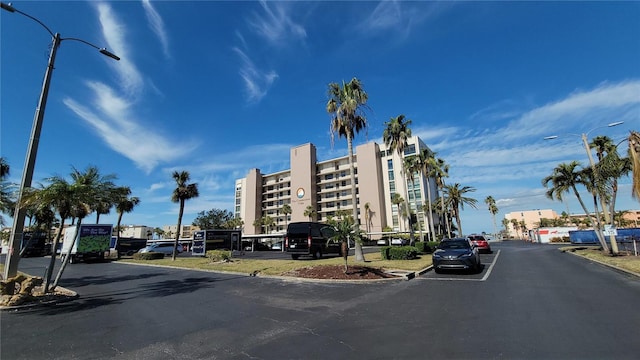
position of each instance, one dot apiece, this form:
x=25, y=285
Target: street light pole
x=13, y=255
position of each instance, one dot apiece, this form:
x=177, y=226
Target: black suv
x=310, y=238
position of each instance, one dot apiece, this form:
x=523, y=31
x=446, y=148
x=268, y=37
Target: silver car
x=165, y=248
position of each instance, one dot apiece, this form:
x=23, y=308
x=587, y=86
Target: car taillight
x=286, y=241
x=309, y=241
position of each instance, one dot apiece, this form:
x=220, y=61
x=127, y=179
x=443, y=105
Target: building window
x=411, y=149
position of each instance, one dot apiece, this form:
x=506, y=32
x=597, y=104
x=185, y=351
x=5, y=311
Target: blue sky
x=219, y=87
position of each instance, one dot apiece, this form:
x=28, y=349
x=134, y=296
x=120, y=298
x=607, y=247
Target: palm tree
x=258, y=223
x=268, y=222
x=6, y=204
x=345, y=231
x=413, y=167
x=457, y=199
x=367, y=217
x=396, y=199
x=441, y=171
x=87, y=186
x=59, y=196
x=395, y=137
x=426, y=159
x=286, y=210
x=310, y=212
x=493, y=209
x=516, y=226
x=505, y=224
x=159, y=232
x=634, y=154
x=564, y=179
x=346, y=105
x=124, y=204
x=183, y=192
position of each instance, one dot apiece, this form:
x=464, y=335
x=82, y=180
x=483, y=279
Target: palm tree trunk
x=175, y=244
x=593, y=225
x=65, y=258
x=354, y=199
x=117, y=244
x=52, y=261
x=431, y=226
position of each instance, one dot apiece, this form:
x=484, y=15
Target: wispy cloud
x=275, y=24
x=112, y=114
x=112, y=122
x=115, y=34
x=257, y=82
x=517, y=152
x=157, y=26
x=400, y=16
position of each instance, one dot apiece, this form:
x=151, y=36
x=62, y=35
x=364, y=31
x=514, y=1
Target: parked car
x=382, y=242
x=399, y=241
x=456, y=254
x=310, y=238
x=165, y=248
x=481, y=242
x=276, y=246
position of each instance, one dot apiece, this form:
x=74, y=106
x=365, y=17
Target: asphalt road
x=530, y=302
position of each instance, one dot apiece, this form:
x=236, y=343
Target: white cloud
x=114, y=33
x=276, y=25
x=157, y=26
x=256, y=81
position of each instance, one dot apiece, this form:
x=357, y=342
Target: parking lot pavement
x=488, y=261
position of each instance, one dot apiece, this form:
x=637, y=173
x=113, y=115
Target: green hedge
x=398, y=252
x=148, y=256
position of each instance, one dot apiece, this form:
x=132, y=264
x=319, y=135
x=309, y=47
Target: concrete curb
x=629, y=272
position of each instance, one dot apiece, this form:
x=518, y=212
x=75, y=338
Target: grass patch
x=627, y=262
x=282, y=266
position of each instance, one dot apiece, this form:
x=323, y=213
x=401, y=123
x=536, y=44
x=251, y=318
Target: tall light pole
x=594, y=169
x=13, y=256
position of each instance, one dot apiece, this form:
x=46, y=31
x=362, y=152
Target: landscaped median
x=285, y=267
x=627, y=263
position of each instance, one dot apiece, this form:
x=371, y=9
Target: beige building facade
x=325, y=188
x=531, y=219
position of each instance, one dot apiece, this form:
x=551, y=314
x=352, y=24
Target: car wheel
x=438, y=271
x=317, y=254
x=295, y=257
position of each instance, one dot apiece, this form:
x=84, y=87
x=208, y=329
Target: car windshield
x=454, y=245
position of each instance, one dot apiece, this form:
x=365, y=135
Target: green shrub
x=218, y=255
x=148, y=256
x=425, y=247
x=402, y=253
x=384, y=252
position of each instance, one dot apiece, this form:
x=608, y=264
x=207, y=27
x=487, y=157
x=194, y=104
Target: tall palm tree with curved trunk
x=395, y=136
x=493, y=209
x=346, y=106
x=457, y=199
x=183, y=192
x=564, y=179
x=124, y=204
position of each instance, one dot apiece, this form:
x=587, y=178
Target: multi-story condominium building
x=318, y=189
x=135, y=231
x=185, y=233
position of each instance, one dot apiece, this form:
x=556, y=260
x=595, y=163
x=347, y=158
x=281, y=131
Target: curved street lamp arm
x=10, y=8
x=103, y=51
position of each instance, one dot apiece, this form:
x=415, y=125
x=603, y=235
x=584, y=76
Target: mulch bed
x=336, y=272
